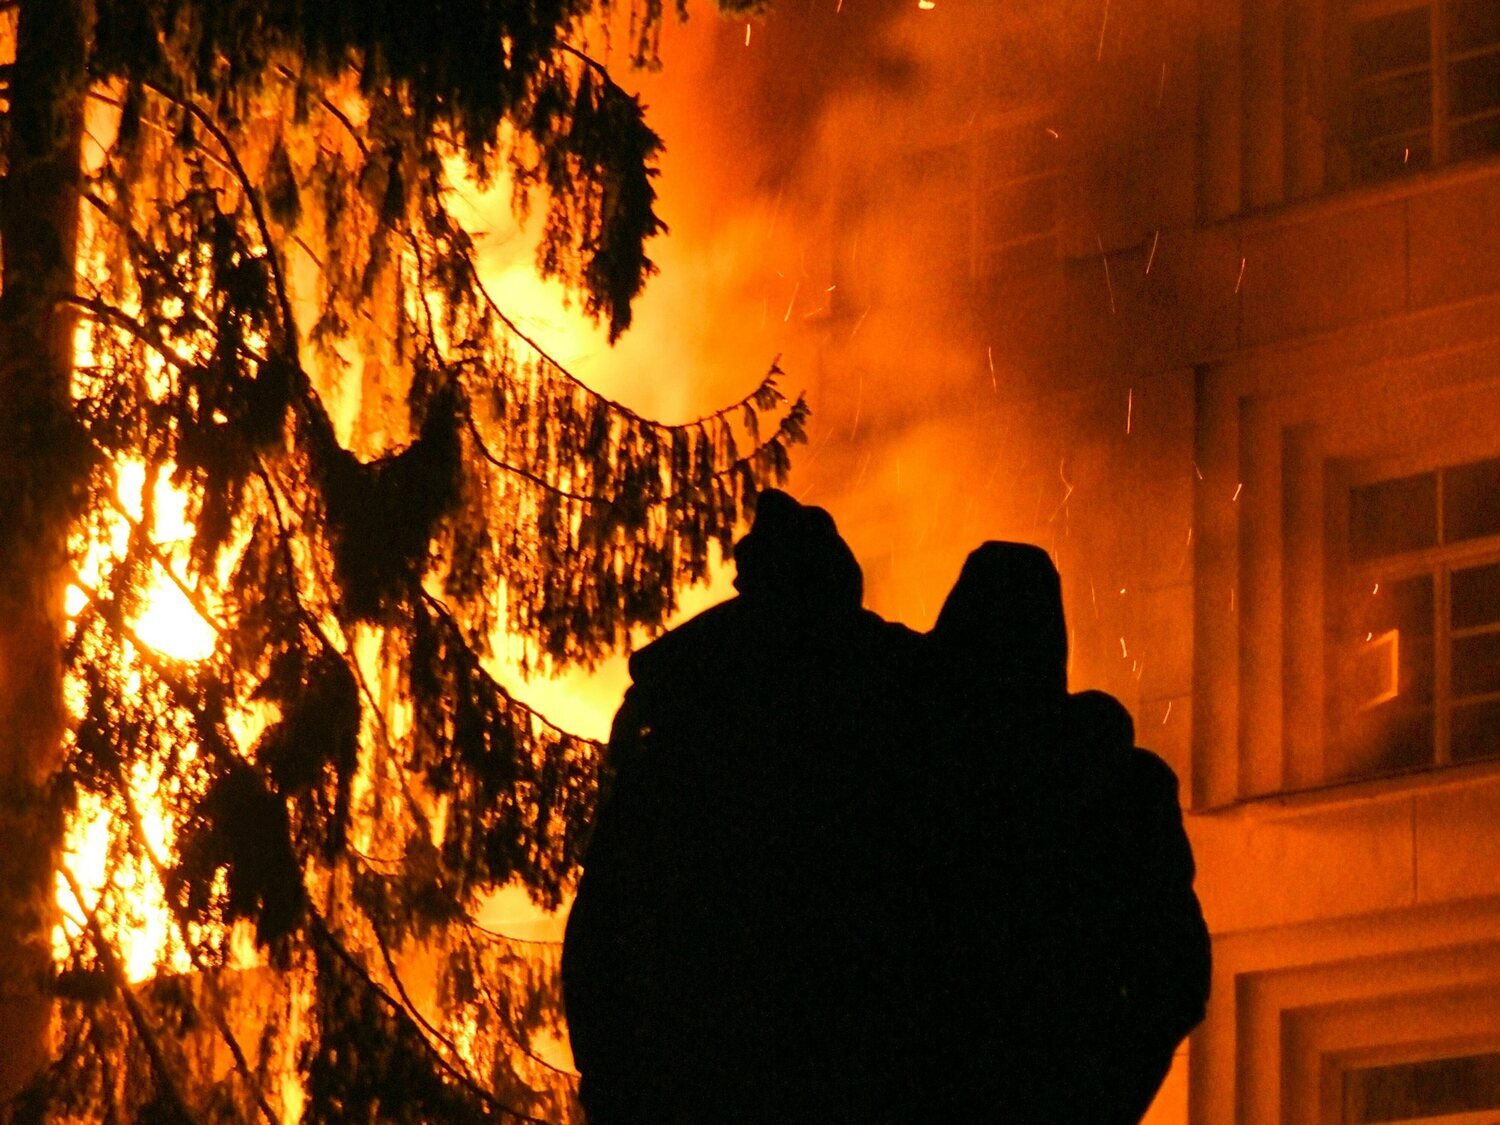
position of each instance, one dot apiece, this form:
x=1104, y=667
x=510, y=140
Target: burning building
x=1205, y=298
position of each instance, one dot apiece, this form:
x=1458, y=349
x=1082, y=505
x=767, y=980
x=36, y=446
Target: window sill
x=1292, y=804
x=1353, y=197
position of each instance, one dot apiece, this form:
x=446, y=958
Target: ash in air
x=852, y=873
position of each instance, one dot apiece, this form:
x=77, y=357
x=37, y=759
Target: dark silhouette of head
x=1100, y=717
x=793, y=557
x=1004, y=619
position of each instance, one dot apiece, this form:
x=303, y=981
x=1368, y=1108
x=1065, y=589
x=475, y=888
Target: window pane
x=1392, y=105
x=1476, y=596
x=1402, y=608
x=1018, y=210
x=1387, y=681
x=1476, y=664
x=1473, y=23
x=1390, y=43
x=1471, y=500
x=1476, y=731
x=1422, y=1089
x=1393, y=516
x=1395, y=156
x=1474, y=138
x=1009, y=154
x=1382, y=742
x=1474, y=85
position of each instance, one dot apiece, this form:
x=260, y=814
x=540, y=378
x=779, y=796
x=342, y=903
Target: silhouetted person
x=1063, y=877
x=723, y=959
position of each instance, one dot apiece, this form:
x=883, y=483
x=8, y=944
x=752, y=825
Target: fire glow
x=171, y=627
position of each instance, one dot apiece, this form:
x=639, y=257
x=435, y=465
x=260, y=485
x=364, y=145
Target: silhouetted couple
x=847, y=873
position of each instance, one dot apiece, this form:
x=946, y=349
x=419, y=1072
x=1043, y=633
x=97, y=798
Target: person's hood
x=1004, y=618
x=793, y=572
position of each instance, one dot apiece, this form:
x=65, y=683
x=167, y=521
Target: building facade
x=1204, y=296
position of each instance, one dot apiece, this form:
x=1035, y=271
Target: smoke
x=881, y=193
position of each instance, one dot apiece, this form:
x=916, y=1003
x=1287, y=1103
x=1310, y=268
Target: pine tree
x=263, y=233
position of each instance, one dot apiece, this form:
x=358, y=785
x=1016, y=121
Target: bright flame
x=170, y=626
x=148, y=932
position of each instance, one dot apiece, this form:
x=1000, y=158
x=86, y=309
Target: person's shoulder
x=1149, y=774
x=686, y=645
x=892, y=632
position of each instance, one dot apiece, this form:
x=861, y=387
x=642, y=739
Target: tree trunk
x=42, y=465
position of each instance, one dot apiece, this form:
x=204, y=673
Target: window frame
x=1343, y=573
x=1339, y=1065
x=1440, y=61
x=994, y=252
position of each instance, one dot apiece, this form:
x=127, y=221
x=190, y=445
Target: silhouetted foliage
x=265, y=239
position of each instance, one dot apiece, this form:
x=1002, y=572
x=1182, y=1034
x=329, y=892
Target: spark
x=1197, y=470
x=1129, y=408
x=860, y=323
x=859, y=405
x=840, y=8
x=790, y=303
x=1108, y=280
x=1168, y=715
x=1241, y=279
x=989, y=352
x=863, y=465
x=747, y=35
x=1094, y=597
x=1187, y=550
x=1103, y=27
x=1151, y=258
x=1053, y=133
x=1124, y=652
x=1231, y=599
x=1237, y=489
x=1062, y=507
x=1376, y=590
x=926, y=5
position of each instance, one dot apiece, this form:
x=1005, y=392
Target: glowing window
x=1417, y=633
x=1424, y=84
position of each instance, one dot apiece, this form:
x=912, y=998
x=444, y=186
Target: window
x=1016, y=197
x=1417, y=644
x=1428, y=1091
x=1424, y=84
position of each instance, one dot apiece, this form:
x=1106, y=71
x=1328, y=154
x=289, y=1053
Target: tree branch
x=319, y=924
x=466, y=256
x=482, y=447
x=138, y=1017
x=322, y=931
x=241, y=1063
x=252, y=197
